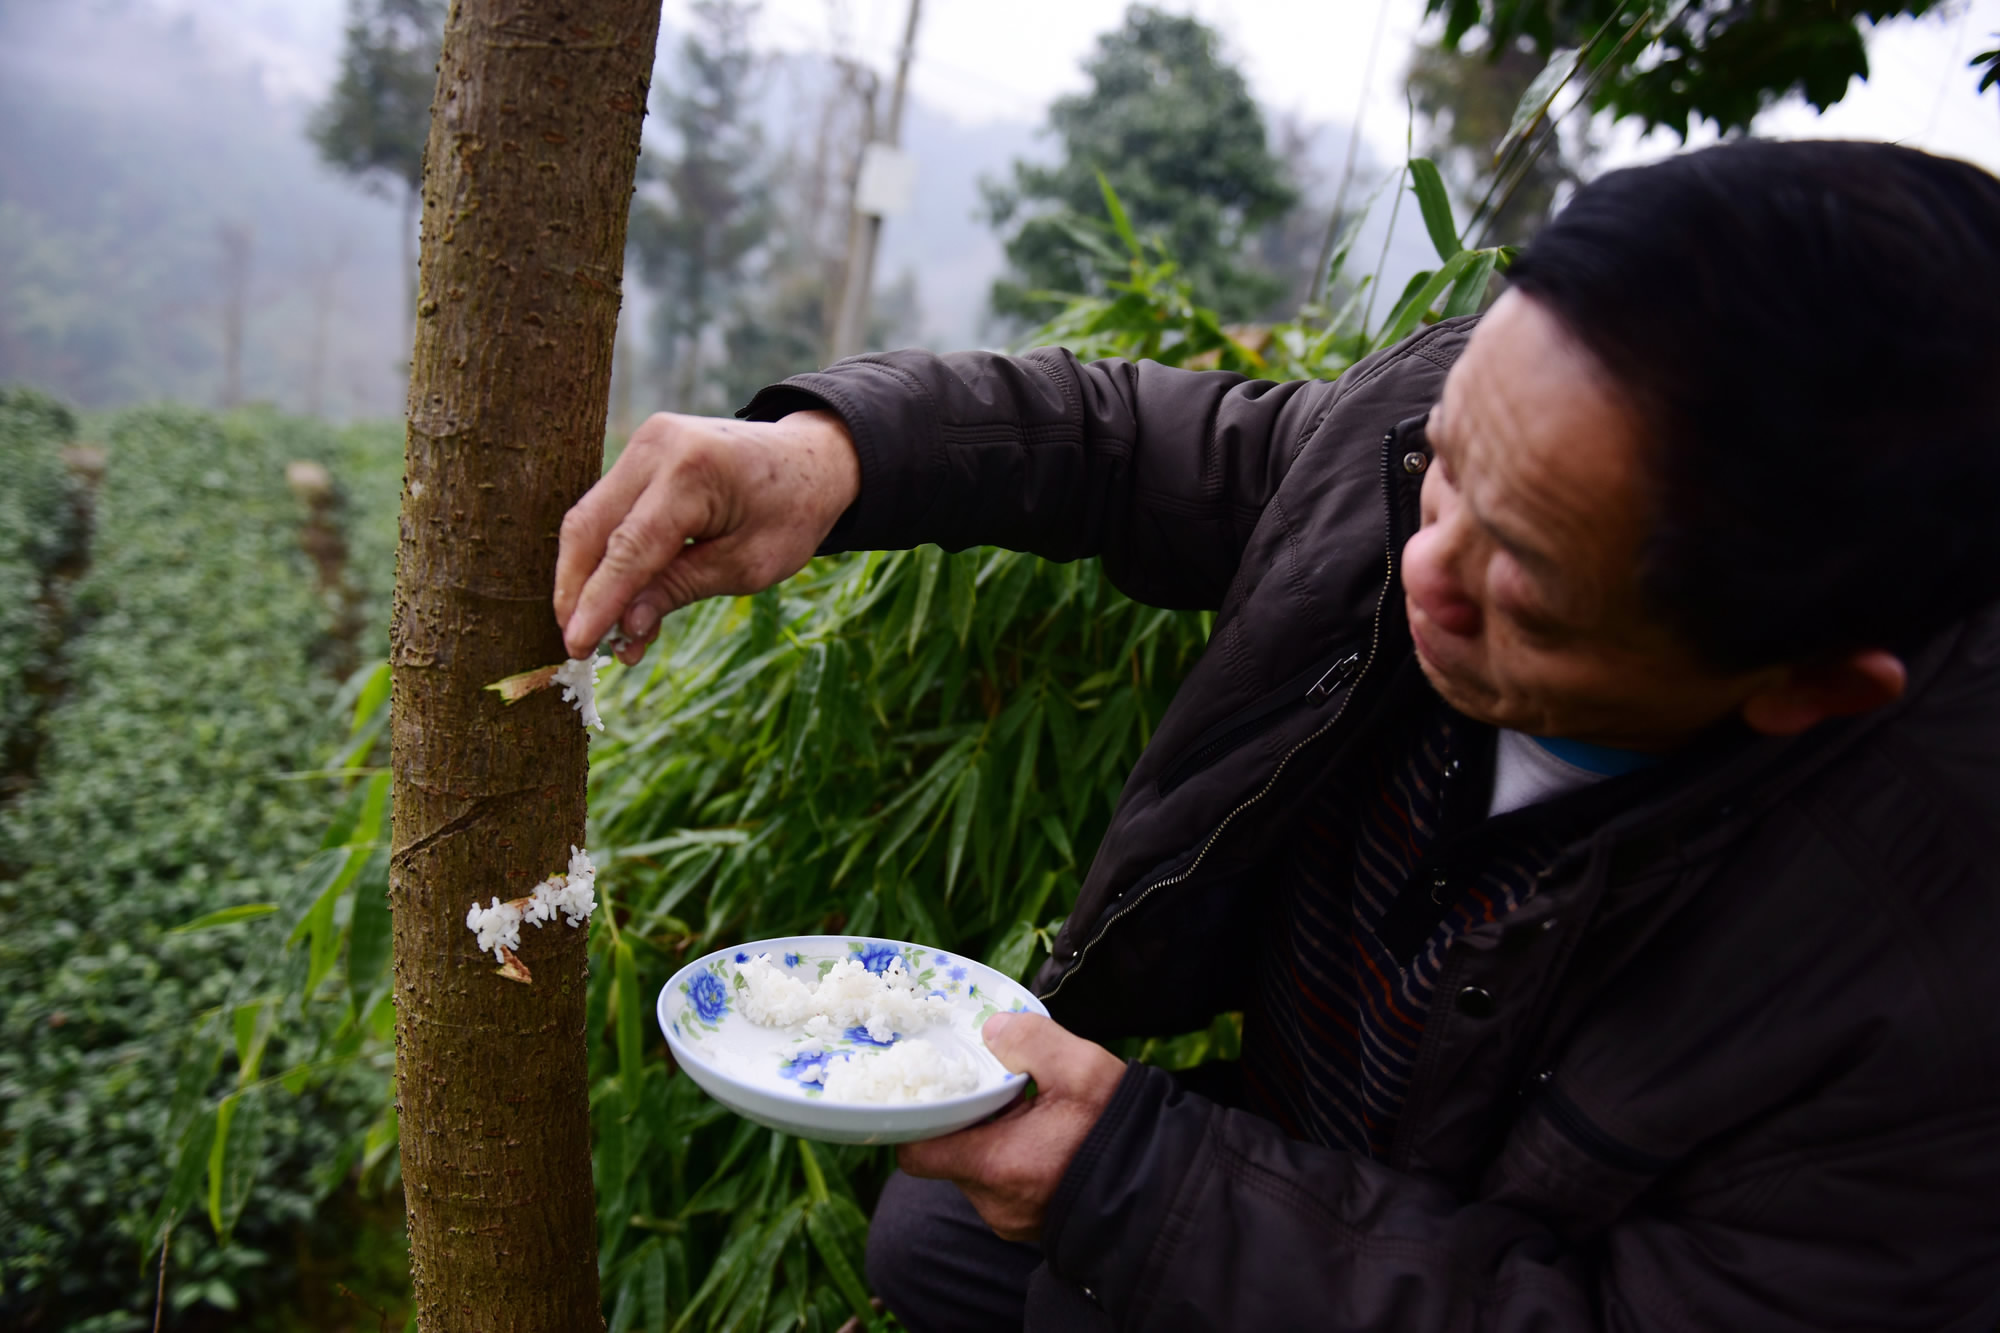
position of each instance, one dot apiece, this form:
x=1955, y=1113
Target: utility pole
x=850, y=330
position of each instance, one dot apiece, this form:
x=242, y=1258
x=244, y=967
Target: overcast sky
x=988, y=60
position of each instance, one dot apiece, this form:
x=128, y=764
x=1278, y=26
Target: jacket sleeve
x=1161, y=472
x=1179, y=1214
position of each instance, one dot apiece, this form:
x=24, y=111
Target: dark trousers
x=942, y=1270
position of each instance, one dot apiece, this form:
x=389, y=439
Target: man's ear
x=1802, y=696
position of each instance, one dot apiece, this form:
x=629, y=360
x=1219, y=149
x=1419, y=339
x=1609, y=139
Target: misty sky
x=137, y=128
x=980, y=61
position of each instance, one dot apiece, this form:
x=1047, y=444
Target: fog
x=156, y=184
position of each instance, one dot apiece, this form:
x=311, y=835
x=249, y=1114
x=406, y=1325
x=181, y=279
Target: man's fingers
x=587, y=526
x=641, y=622
x=639, y=550
x=960, y=1156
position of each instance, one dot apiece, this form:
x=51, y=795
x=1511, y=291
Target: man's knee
x=938, y=1266
x=897, y=1233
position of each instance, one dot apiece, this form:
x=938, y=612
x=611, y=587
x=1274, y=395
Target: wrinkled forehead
x=1540, y=441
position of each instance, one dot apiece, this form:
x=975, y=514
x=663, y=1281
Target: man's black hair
x=1811, y=332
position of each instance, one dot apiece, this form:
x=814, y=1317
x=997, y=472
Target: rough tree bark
x=534, y=138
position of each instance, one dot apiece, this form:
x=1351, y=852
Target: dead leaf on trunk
x=514, y=969
x=521, y=684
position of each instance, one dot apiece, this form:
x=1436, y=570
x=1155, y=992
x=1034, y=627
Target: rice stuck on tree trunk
x=533, y=141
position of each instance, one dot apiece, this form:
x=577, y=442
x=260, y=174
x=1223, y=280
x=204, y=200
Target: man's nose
x=1430, y=576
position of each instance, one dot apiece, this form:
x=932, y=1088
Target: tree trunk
x=533, y=141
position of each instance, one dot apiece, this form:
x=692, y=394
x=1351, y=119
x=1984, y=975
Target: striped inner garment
x=1332, y=1031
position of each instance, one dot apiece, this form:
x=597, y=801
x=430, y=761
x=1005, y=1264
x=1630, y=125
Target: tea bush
x=40, y=529
x=196, y=681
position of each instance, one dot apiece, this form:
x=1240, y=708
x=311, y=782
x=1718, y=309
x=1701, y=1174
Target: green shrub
x=195, y=683
x=40, y=529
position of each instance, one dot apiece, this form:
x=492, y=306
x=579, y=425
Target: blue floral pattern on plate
x=808, y=1069
x=708, y=1000
x=876, y=957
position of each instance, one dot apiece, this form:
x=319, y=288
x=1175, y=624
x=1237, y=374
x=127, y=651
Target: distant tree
x=1174, y=128
x=703, y=211
x=1722, y=60
x=373, y=124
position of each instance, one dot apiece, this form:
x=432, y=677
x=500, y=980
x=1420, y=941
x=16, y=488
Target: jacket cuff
x=1111, y=1205
x=896, y=441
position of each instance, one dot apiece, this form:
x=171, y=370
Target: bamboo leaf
x=1015, y=949
x=371, y=699
x=368, y=940
x=1436, y=206
x=936, y=784
x=191, y=1158
x=226, y=917
x=1058, y=837
x=1418, y=303
x=1120, y=222
x=1470, y=289
x=805, y=708
x=625, y=1311
x=1536, y=99
x=631, y=1008
x=233, y=1158
x=930, y=560
x=249, y=1049
x=834, y=1239
x=319, y=884
x=653, y=1288
x=374, y=809
x=961, y=595
x=245, y=1157
x=964, y=807
x=815, y=1178
x=727, y=1266
x=754, y=1292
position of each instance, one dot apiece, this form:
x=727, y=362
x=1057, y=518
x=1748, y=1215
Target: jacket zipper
x=1374, y=647
x=1580, y=1130
x=1256, y=719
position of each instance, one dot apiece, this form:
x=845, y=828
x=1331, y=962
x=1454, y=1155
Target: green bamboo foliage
x=918, y=745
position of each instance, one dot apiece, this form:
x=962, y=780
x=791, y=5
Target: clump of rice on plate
x=882, y=1004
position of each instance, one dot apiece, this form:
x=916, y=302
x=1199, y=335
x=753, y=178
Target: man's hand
x=1010, y=1167
x=698, y=507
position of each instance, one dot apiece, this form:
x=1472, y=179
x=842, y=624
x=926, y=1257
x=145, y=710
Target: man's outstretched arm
x=1162, y=472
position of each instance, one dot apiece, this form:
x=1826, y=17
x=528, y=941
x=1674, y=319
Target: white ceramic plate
x=754, y=1070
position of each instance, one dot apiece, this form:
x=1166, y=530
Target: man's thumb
x=1020, y=1041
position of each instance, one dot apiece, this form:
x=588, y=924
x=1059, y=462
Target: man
x=1590, y=794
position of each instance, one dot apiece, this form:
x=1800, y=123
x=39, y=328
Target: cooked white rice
x=496, y=926
x=578, y=678
x=885, y=1004
x=571, y=893
x=848, y=996
x=909, y=1071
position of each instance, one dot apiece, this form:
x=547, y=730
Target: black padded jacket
x=1736, y=1064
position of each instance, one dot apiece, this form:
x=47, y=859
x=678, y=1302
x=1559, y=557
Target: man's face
x=1522, y=584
